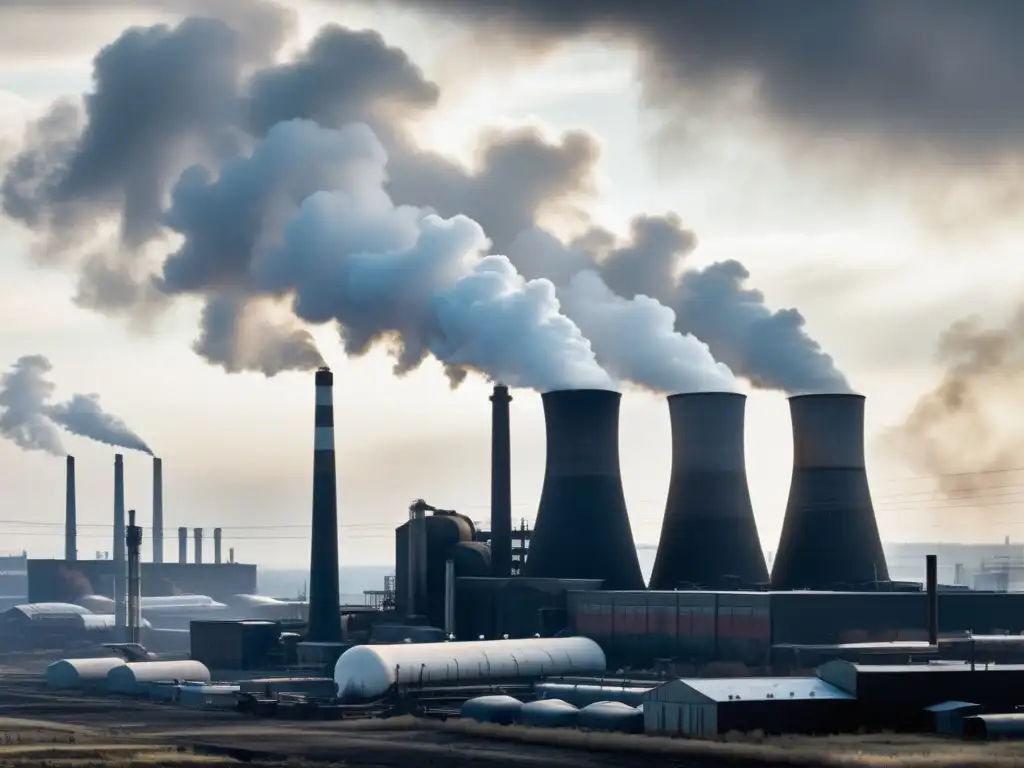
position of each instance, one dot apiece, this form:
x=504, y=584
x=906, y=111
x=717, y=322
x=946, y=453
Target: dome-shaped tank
x=133, y=679
x=77, y=674
x=491, y=709
x=548, y=713
x=612, y=716
x=471, y=558
x=367, y=672
x=583, y=695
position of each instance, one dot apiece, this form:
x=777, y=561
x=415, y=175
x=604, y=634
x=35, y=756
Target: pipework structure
x=582, y=529
x=708, y=535
x=830, y=537
x=324, y=590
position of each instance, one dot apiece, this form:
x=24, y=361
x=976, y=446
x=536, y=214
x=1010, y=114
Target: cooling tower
x=708, y=535
x=829, y=537
x=324, y=619
x=183, y=545
x=158, y=510
x=119, y=544
x=582, y=529
x=501, y=484
x=70, y=514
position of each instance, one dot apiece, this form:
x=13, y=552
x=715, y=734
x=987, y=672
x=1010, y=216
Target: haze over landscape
x=201, y=203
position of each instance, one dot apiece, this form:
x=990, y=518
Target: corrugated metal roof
x=764, y=688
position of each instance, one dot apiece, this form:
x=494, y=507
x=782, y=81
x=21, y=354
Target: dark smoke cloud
x=31, y=421
x=912, y=75
x=221, y=101
x=969, y=424
x=769, y=348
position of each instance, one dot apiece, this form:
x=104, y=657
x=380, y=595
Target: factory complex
x=555, y=627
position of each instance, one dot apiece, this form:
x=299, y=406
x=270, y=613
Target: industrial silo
x=829, y=537
x=708, y=535
x=582, y=529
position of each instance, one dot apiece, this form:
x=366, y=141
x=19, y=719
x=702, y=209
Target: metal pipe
x=70, y=515
x=932, y=585
x=198, y=536
x=134, y=546
x=449, y=598
x=120, y=575
x=217, y=537
x=182, y=545
x=158, y=510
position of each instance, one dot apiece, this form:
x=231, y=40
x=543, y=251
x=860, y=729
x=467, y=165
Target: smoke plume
x=769, y=348
x=31, y=421
x=169, y=103
x=968, y=425
x=320, y=228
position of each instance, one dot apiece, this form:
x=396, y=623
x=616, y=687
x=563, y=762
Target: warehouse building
x=709, y=707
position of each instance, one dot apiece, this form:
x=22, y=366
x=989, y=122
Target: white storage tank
x=366, y=672
x=203, y=696
x=78, y=674
x=612, y=716
x=134, y=679
x=491, y=709
x=582, y=694
x=548, y=713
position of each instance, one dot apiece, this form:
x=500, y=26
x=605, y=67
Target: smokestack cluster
x=582, y=529
x=70, y=514
x=501, y=484
x=324, y=597
x=829, y=537
x=158, y=510
x=118, y=552
x=708, y=535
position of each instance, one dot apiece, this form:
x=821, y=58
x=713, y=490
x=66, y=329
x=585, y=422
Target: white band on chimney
x=323, y=439
x=325, y=395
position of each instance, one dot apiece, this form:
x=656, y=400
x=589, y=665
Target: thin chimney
x=501, y=484
x=70, y=515
x=932, y=587
x=134, y=545
x=120, y=574
x=198, y=534
x=182, y=545
x=158, y=510
x=217, y=539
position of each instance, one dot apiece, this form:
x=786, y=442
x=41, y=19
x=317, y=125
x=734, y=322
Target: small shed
x=947, y=717
x=708, y=707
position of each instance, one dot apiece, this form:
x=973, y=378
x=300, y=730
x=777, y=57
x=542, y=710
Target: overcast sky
x=881, y=245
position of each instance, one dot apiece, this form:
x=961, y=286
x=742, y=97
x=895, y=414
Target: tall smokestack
x=501, y=484
x=198, y=533
x=582, y=529
x=134, y=546
x=829, y=537
x=118, y=553
x=324, y=597
x=158, y=510
x=932, y=588
x=217, y=538
x=70, y=514
x=708, y=535
x=183, y=545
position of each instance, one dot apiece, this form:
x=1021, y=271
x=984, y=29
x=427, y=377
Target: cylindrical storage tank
x=708, y=535
x=829, y=536
x=367, y=672
x=78, y=674
x=472, y=558
x=491, y=709
x=133, y=679
x=612, y=716
x=548, y=713
x=583, y=695
x=582, y=529
x=104, y=622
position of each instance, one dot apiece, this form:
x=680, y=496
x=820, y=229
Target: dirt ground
x=39, y=728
